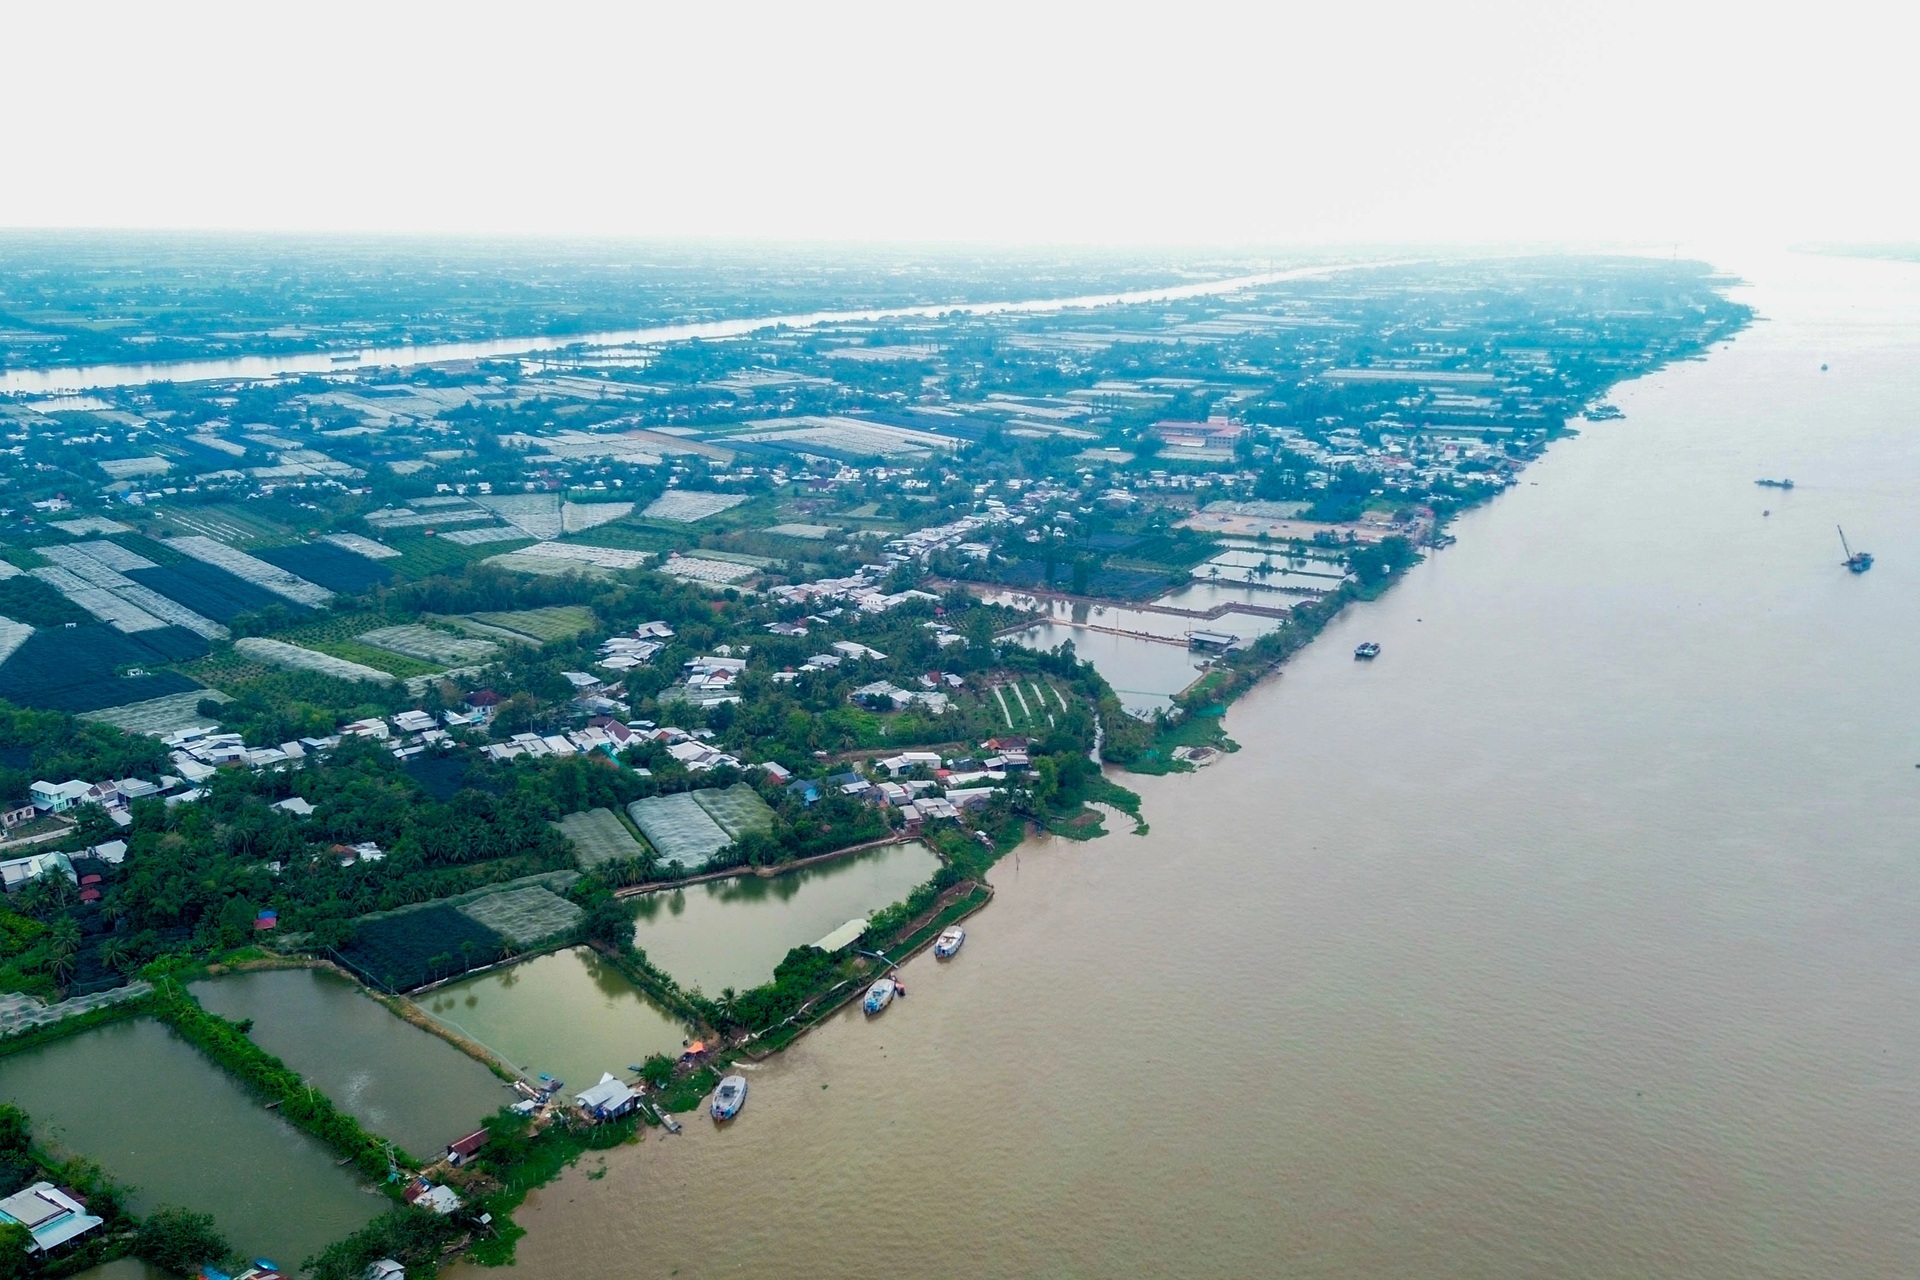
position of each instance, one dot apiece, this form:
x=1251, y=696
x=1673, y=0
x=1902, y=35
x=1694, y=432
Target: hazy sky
x=1173, y=121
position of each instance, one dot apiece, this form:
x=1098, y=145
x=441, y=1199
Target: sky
x=1112, y=123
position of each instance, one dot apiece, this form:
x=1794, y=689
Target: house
x=11, y=818
x=608, y=1100
x=296, y=806
x=1217, y=432
x=777, y=772
x=50, y=1215
x=807, y=790
x=113, y=852
x=853, y=649
x=18, y=871
x=653, y=631
x=425, y=1195
x=584, y=684
x=384, y=1269
x=58, y=797
x=413, y=722
x=461, y=1151
x=484, y=700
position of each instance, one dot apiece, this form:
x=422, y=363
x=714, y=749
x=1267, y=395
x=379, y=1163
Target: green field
x=538, y=626
x=599, y=837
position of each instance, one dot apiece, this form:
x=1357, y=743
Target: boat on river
x=1366, y=652
x=729, y=1097
x=950, y=940
x=1856, y=561
x=879, y=995
x=1775, y=484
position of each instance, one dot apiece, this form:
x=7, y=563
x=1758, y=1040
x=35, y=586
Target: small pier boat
x=729, y=1097
x=879, y=996
x=1857, y=561
x=950, y=940
x=1366, y=652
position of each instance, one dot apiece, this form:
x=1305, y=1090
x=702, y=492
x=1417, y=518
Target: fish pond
x=731, y=933
x=568, y=1014
x=397, y=1080
x=161, y=1119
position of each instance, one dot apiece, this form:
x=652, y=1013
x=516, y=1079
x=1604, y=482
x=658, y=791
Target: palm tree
x=729, y=1004
x=113, y=952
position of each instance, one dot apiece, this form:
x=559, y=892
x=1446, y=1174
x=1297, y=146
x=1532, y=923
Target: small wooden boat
x=949, y=941
x=879, y=996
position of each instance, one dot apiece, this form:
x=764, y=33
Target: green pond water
x=160, y=1118
x=731, y=933
x=569, y=1014
x=398, y=1081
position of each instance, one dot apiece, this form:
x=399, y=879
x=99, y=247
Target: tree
x=180, y=1241
x=16, y=1260
x=608, y=922
x=657, y=1071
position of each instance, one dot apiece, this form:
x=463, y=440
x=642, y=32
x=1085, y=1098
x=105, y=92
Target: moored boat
x=950, y=940
x=879, y=995
x=729, y=1097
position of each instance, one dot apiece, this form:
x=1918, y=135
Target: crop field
x=421, y=556
x=586, y=553
x=362, y=546
x=429, y=645
x=80, y=669
x=599, y=837
x=701, y=569
x=278, y=653
x=538, y=514
x=12, y=636
x=525, y=917
x=226, y=522
x=481, y=537
x=397, y=950
x=256, y=571
x=329, y=566
x=685, y=506
x=541, y=626
x=737, y=809
x=29, y=600
x=578, y=517
x=158, y=716
x=680, y=828
x=205, y=589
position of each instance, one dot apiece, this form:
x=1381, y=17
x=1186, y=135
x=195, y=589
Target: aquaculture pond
x=160, y=1118
x=569, y=1014
x=397, y=1080
x=731, y=933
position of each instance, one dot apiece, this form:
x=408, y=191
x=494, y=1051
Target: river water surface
x=1579, y=935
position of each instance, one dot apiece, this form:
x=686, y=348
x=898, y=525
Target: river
x=54, y=381
x=1575, y=936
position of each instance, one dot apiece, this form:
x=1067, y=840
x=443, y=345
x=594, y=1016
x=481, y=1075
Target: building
x=50, y=1215
x=608, y=1100
x=1217, y=433
x=458, y=1153
x=58, y=797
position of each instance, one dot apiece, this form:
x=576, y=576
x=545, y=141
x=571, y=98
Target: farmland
x=85, y=668
x=680, y=828
x=408, y=949
x=329, y=566
x=525, y=917
x=600, y=837
x=529, y=626
x=430, y=645
x=278, y=653
x=736, y=809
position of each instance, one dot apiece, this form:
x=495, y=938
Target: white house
x=50, y=1215
x=58, y=797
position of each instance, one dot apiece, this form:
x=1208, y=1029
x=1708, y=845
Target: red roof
x=469, y=1144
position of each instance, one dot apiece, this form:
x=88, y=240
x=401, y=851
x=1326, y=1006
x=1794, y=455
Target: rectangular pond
x=569, y=1014
x=731, y=933
x=397, y=1080
x=160, y=1118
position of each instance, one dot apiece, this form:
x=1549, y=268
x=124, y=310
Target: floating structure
x=1366, y=652
x=1857, y=561
x=1219, y=641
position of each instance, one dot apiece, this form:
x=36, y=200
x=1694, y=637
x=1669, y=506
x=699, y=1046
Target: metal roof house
x=49, y=1214
x=608, y=1100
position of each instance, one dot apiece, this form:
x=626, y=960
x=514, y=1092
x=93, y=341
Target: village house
x=51, y=1216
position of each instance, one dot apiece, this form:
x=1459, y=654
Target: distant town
x=402, y=677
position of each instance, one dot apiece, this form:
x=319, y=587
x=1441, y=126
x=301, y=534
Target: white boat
x=949, y=941
x=879, y=995
x=729, y=1097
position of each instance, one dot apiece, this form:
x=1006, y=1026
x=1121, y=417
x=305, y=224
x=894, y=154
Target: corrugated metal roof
x=845, y=936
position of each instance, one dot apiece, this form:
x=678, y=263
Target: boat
x=950, y=940
x=879, y=995
x=1366, y=652
x=345, y=359
x=729, y=1097
x=1774, y=484
x=1857, y=561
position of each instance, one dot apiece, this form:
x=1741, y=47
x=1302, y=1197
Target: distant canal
x=569, y=1014
x=160, y=1118
x=731, y=933
x=397, y=1080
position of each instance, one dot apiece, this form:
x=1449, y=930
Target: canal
x=160, y=1118
x=398, y=1081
